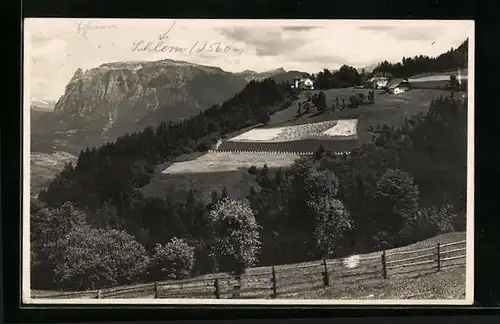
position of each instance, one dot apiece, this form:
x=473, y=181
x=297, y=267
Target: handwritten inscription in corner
x=84, y=27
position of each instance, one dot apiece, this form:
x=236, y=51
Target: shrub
x=320, y=152
x=174, y=260
x=95, y=258
x=353, y=102
x=430, y=222
x=252, y=170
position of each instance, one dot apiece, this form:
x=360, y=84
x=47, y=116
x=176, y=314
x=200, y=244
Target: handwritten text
x=196, y=48
x=163, y=45
x=84, y=27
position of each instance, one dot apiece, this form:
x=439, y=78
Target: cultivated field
x=44, y=166
x=422, y=270
x=176, y=186
x=437, y=80
x=231, y=161
x=337, y=136
x=331, y=129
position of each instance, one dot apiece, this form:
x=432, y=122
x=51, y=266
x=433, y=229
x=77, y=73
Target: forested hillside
x=453, y=59
x=347, y=76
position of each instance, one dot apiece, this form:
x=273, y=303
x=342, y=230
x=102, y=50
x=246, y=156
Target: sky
x=56, y=47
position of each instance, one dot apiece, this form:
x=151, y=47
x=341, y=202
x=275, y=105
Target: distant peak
x=279, y=70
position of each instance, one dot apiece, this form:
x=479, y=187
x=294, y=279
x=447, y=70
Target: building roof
x=382, y=74
x=396, y=82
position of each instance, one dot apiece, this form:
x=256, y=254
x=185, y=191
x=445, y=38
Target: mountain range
x=279, y=75
x=367, y=69
x=42, y=105
x=103, y=103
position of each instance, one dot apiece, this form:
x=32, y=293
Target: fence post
x=326, y=277
x=156, y=289
x=439, y=256
x=384, y=267
x=273, y=280
x=217, y=288
x=237, y=287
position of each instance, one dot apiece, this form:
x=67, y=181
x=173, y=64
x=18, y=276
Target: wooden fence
x=290, y=280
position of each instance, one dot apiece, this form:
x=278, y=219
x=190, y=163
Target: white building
x=303, y=83
x=398, y=85
x=378, y=82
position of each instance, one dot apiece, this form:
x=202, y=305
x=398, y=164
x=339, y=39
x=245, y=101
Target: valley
x=115, y=99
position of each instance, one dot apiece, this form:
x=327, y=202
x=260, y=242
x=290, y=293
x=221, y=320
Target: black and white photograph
x=260, y=162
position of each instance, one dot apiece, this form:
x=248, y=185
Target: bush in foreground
x=89, y=258
x=174, y=260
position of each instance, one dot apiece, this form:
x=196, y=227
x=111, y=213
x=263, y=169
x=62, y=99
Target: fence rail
x=284, y=281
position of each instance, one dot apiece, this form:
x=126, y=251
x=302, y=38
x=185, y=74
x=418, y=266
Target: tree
x=47, y=227
x=89, y=258
x=224, y=193
x=454, y=84
x=319, y=101
x=320, y=183
x=191, y=209
x=331, y=221
x=214, y=198
x=174, y=260
x=236, y=239
x=397, y=200
x=264, y=177
x=307, y=107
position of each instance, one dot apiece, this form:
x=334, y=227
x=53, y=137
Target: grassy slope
x=304, y=280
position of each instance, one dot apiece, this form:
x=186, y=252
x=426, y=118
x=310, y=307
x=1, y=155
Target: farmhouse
x=398, y=85
x=303, y=83
x=378, y=82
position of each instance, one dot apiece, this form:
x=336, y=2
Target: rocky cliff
x=279, y=75
x=108, y=101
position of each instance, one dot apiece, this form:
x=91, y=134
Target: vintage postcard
x=280, y=162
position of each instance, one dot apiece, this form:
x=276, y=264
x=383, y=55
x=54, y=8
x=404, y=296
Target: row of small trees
x=319, y=101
